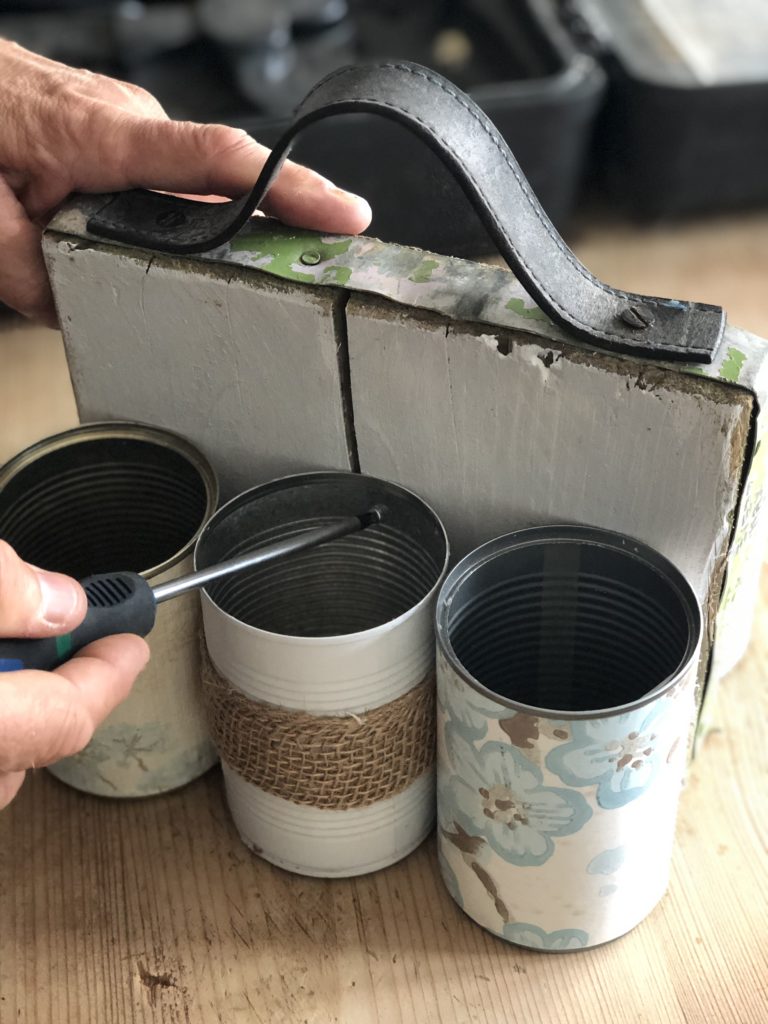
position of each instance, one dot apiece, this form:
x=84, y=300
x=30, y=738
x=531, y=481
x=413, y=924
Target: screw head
x=637, y=316
x=310, y=258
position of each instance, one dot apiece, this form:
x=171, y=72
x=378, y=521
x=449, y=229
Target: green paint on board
x=423, y=272
x=336, y=275
x=732, y=364
x=529, y=312
x=284, y=254
x=63, y=645
x=394, y=261
x=329, y=249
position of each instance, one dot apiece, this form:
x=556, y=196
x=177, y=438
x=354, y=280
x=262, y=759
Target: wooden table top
x=153, y=911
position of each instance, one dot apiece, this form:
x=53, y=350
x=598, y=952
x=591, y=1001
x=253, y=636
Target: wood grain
x=153, y=912
x=245, y=367
x=500, y=430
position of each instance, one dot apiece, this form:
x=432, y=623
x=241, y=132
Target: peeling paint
x=457, y=288
x=281, y=254
x=528, y=312
x=337, y=275
x=423, y=272
x=732, y=365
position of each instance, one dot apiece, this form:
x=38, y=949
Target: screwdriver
x=123, y=602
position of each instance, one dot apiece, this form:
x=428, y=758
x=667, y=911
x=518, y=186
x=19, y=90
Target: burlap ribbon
x=333, y=762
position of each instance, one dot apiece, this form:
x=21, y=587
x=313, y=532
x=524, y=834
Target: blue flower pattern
x=620, y=756
x=536, y=938
x=493, y=792
x=500, y=795
x=450, y=815
x=607, y=862
x=469, y=715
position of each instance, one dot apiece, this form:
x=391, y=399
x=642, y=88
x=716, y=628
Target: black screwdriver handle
x=118, y=602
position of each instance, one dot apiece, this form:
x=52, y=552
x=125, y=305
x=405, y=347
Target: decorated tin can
x=124, y=496
x=320, y=690
x=566, y=671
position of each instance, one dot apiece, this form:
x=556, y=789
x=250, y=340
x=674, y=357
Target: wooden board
x=245, y=367
x=501, y=430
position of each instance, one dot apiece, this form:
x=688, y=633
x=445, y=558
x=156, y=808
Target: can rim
x=132, y=431
x=243, y=498
x=566, y=532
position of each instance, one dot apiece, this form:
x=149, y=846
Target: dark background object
x=684, y=129
x=666, y=151
x=249, y=62
x=660, y=140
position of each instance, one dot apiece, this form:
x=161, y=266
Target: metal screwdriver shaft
x=123, y=602
x=268, y=553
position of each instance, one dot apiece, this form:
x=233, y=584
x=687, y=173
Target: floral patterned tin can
x=566, y=671
x=113, y=496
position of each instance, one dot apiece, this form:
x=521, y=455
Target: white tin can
x=321, y=688
x=567, y=661
x=124, y=496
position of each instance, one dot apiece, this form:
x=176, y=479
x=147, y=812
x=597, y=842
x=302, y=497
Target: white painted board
x=501, y=430
x=243, y=365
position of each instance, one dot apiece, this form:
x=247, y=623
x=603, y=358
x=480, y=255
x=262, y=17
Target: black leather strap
x=468, y=143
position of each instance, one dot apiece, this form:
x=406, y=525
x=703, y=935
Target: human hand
x=64, y=130
x=45, y=716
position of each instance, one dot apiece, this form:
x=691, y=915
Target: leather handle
x=472, y=148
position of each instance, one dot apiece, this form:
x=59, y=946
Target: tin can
x=124, y=496
x=321, y=685
x=566, y=672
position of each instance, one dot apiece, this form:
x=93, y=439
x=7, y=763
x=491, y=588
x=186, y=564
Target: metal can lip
x=322, y=476
x=132, y=431
x=565, y=533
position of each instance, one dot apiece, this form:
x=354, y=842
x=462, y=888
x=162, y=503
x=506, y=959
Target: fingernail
x=60, y=598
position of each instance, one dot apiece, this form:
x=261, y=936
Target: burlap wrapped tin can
x=114, y=496
x=320, y=686
x=567, y=660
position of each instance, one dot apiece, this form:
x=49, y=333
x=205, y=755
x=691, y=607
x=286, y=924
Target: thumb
x=34, y=602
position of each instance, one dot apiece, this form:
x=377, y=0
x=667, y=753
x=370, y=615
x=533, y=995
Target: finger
x=34, y=602
x=302, y=198
x=23, y=280
x=179, y=156
x=50, y=715
x=92, y=99
x=80, y=84
x=10, y=784
x=131, y=98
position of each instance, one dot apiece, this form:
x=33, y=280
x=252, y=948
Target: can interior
x=102, y=505
x=569, y=625
x=342, y=587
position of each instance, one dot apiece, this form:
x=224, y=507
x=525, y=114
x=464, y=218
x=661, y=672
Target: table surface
x=153, y=911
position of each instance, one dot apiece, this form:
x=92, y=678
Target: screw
x=310, y=258
x=637, y=316
x=171, y=219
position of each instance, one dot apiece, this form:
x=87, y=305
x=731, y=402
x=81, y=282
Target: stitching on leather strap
x=220, y=224
x=566, y=314
x=492, y=134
